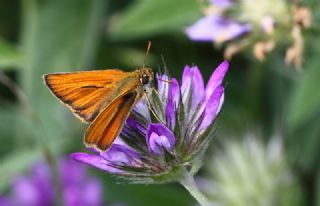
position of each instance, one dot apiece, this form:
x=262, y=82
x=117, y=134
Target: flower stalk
x=188, y=182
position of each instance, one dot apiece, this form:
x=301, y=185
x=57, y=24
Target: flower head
x=38, y=188
x=158, y=146
x=260, y=24
x=250, y=173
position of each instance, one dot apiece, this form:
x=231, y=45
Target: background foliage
x=42, y=36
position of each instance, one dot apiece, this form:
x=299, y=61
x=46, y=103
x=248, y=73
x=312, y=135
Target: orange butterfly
x=105, y=98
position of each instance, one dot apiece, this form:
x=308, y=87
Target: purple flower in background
x=227, y=20
x=156, y=151
x=217, y=27
x=38, y=188
x=261, y=23
x=4, y=201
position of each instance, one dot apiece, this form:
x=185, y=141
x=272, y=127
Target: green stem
x=188, y=182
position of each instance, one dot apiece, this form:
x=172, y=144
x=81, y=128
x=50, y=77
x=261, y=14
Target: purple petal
x=216, y=78
x=95, y=161
x=5, y=201
x=79, y=190
x=37, y=189
x=119, y=141
x=268, y=24
x=173, y=103
x=170, y=115
x=72, y=196
x=88, y=192
x=192, y=86
x=174, y=92
x=222, y=3
x=214, y=82
x=159, y=137
x=133, y=124
x=163, y=86
x=42, y=180
x=41, y=171
x=197, y=86
x=92, y=193
x=142, y=108
x=119, y=154
x=216, y=28
x=186, y=82
x=213, y=107
x=21, y=197
x=71, y=172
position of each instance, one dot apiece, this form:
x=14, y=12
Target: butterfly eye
x=145, y=80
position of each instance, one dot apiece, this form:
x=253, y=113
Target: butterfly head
x=146, y=77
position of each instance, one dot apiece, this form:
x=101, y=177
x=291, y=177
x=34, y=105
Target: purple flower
x=156, y=146
x=38, y=188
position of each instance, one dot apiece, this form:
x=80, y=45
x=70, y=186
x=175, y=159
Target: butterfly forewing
x=105, y=98
x=107, y=126
x=87, y=92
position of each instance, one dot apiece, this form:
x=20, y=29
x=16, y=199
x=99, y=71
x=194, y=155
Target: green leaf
x=10, y=56
x=305, y=140
x=8, y=115
x=303, y=111
x=57, y=36
x=305, y=101
x=147, y=17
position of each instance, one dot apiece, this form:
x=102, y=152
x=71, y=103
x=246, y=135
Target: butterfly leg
x=151, y=109
x=155, y=91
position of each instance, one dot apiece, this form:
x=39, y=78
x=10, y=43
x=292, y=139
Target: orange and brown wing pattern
x=86, y=92
x=107, y=126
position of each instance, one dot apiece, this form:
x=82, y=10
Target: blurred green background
x=43, y=36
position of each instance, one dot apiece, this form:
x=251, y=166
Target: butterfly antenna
x=164, y=65
x=145, y=57
x=165, y=71
x=167, y=81
x=132, y=63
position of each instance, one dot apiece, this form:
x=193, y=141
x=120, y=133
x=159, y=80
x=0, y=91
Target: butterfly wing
x=87, y=92
x=107, y=126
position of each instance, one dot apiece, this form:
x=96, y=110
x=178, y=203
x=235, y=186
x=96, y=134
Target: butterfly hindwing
x=107, y=126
